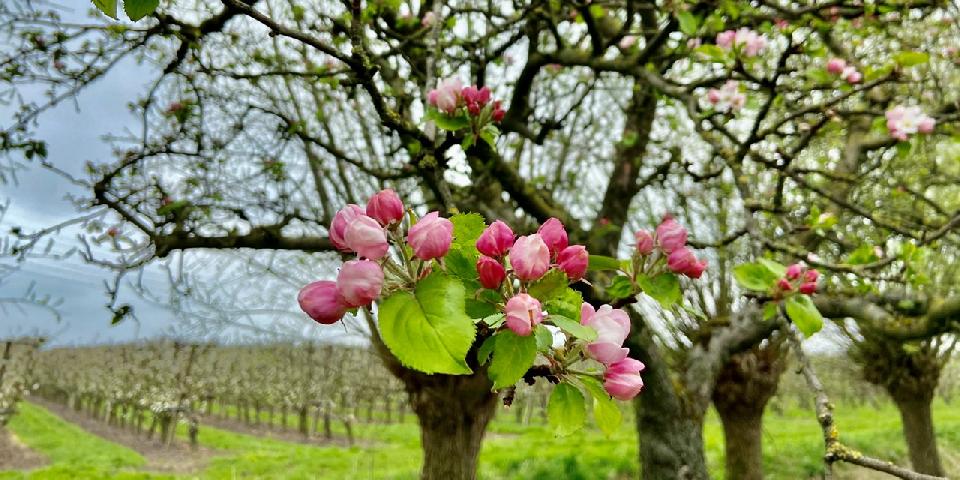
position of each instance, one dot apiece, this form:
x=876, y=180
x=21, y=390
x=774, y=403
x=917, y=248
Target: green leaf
x=566, y=410
x=566, y=303
x=461, y=264
x=513, y=355
x=479, y=309
x=108, y=7
x=620, y=287
x=775, y=267
x=429, y=330
x=468, y=140
x=448, y=122
x=862, y=255
x=137, y=9
x=769, y=310
x=486, y=348
x=549, y=286
x=664, y=288
x=467, y=228
x=688, y=23
x=754, y=276
x=544, y=338
x=804, y=314
x=606, y=413
x=910, y=58
x=172, y=207
x=489, y=134
x=712, y=52
x=599, y=263
x=574, y=327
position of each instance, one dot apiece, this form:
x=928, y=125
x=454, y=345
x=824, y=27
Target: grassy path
x=511, y=451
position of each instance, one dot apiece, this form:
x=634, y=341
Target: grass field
x=511, y=451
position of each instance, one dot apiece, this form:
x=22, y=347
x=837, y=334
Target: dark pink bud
x=491, y=272
x=808, y=288
x=495, y=240
x=812, y=275
x=322, y=301
x=671, y=235
x=385, y=207
x=644, y=242
x=574, y=260
x=794, y=271
x=784, y=285
x=554, y=235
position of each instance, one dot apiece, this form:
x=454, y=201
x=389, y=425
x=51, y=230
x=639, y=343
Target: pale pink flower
x=338, y=226
x=431, y=236
x=365, y=236
x=360, y=282
x=622, y=379
x=530, y=257
x=523, y=312
x=612, y=326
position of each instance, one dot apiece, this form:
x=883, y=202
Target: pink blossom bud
x=926, y=124
x=574, y=260
x=338, y=226
x=431, y=236
x=385, y=207
x=322, y=301
x=622, y=379
x=683, y=261
x=491, y=272
x=360, y=282
x=808, y=288
x=428, y=19
x=836, y=65
x=713, y=96
x=446, y=97
x=523, y=313
x=496, y=240
x=365, y=236
x=851, y=75
x=812, y=275
x=612, y=326
x=498, y=112
x=554, y=235
x=794, y=271
x=784, y=285
x=627, y=42
x=725, y=39
x=671, y=235
x=644, y=242
x=530, y=257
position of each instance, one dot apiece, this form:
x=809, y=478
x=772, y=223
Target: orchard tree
x=263, y=119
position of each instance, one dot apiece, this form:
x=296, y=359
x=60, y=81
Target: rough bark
x=453, y=412
x=920, y=435
x=743, y=435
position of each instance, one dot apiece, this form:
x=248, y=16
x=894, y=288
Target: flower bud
x=431, y=236
x=627, y=41
x=812, y=275
x=794, y=271
x=612, y=326
x=365, y=236
x=644, y=242
x=836, y=65
x=491, y=272
x=808, y=288
x=496, y=240
x=322, y=301
x=523, y=313
x=339, y=225
x=574, y=260
x=385, y=207
x=554, y=235
x=671, y=235
x=446, y=97
x=530, y=257
x=428, y=19
x=622, y=379
x=784, y=285
x=681, y=259
x=360, y=282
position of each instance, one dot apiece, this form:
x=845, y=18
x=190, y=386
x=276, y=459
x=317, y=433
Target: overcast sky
x=38, y=199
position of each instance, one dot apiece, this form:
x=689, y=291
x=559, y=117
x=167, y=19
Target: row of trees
x=265, y=117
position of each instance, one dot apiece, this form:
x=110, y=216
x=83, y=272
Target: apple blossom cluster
x=450, y=96
x=744, y=40
x=848, y=73
x=670, y=242
x=797, y=278
x=903, y=121
x=727, y=98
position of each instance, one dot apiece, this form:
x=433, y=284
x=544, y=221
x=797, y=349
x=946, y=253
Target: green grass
x=792, y=449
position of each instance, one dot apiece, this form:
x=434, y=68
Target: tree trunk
x=453, y=412
x=743, y=434
x=921, y=439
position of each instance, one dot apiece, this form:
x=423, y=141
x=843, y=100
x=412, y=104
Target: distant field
x=511, y=450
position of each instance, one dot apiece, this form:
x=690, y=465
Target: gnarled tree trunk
x=744, y=386
x=453, y=412
x=919, y=433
